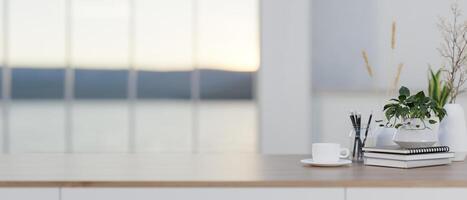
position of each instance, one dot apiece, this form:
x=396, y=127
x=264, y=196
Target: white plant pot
x=452, y=131
x=411, y=136
x=384, y=136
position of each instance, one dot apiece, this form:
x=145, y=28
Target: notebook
x=409, y=156
x=406, y=164
x=409, y=151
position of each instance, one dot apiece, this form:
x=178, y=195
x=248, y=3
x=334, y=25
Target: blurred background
x=129, y=75
x=181, y=76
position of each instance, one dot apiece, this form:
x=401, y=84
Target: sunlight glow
x=168, y=36
x=100, y=39
x=164, y=35
x=228, y=36
x=36, y=33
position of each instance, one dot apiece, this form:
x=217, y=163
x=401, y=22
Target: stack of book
x=393, y=156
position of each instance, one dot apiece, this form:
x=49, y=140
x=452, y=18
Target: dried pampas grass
x=395, y=83
x=392, y=83
x=367, y=63
x=393, y=35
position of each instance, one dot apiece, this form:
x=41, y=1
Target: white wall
x=417, y=36
x=284, y=90
x=341, y=29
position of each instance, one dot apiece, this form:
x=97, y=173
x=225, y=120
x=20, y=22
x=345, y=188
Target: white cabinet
x=29, y=194
x=203, y=193
x=233, y=193
x=406, y=193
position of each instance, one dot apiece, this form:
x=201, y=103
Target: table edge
x=238, y=184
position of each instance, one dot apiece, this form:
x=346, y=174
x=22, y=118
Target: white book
x=403, y=157
x=398, y=150
x=406, y=164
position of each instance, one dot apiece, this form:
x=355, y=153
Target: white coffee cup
x=328, y=152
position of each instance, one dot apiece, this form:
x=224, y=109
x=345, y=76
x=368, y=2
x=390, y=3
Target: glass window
x=164, y=59
x=227, y=60
x=2, y=32
x=36, y=33
x=2, y=62
x=174, y=75
x=100, y=34
x=163, y=35
x=100, y=57
x=36, y=43
x=228, y=35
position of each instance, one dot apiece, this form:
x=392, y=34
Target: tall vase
x=452, y=131
x=384, y=136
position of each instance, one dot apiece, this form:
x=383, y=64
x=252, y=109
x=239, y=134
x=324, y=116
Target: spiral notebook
x=406, y=164
x=408, y=151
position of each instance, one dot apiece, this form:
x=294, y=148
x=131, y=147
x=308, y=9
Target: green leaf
x=410, y=99
x=438, y=74
x=443, y=99
x=437, y=90
x=390, y=112
x=434, y=83
x=427, y=100
x=389, y=106
x=398, y=125
x=420, y=95
x=404, y=91
x=441, y=112
x=402, y=97
x=431, y=83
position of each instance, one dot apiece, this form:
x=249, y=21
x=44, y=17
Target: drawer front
x=202, y=193
x=29, y=194
x=406, y=193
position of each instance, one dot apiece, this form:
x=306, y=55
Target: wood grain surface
x=210, y=170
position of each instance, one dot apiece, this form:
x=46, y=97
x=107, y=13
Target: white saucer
x=341, y=162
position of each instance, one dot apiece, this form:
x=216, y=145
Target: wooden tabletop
x=216, y=170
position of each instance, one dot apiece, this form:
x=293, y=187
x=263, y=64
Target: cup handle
x=346, y=153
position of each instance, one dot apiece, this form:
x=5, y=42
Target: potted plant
x=452, y=130
x=415, y=117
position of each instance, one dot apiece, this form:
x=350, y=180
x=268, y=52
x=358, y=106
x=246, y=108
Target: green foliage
x=408, y=106
x=437, y=90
